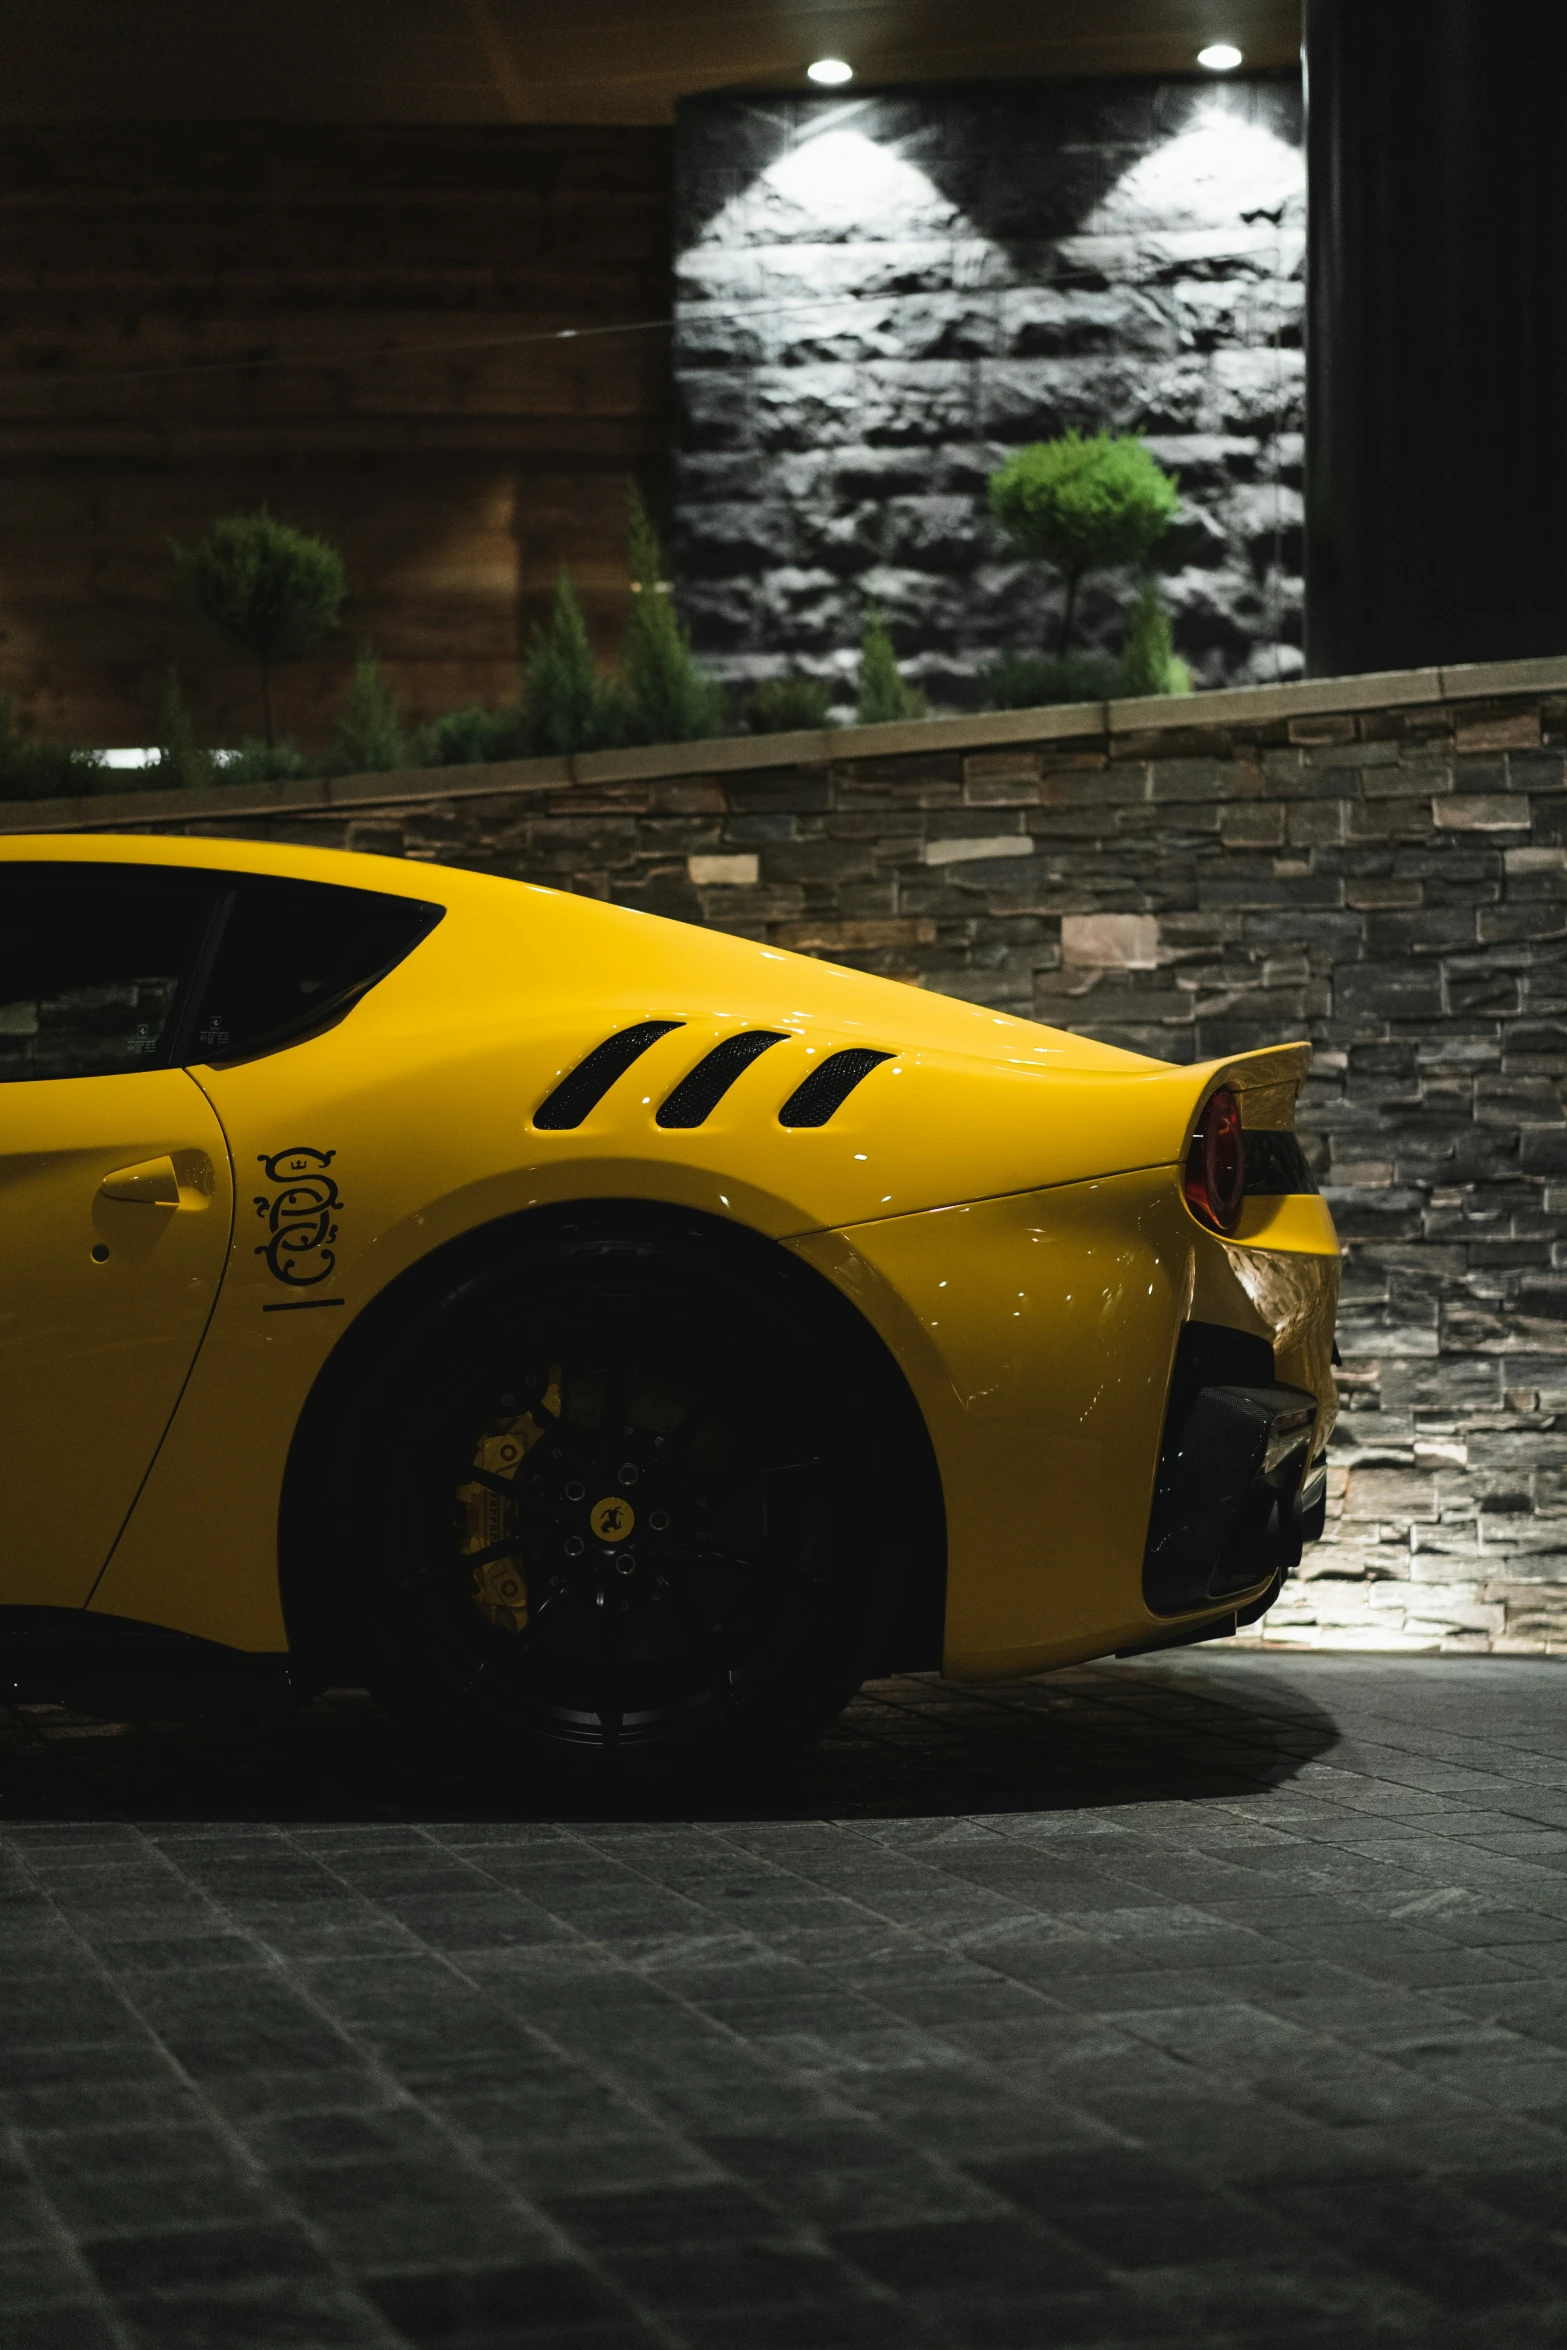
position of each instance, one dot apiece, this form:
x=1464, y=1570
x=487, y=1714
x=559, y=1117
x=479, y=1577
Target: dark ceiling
x=581, y=61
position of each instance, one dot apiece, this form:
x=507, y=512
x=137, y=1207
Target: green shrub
x=371, y=738
x=1028, y=681
x=1149, y=663
x=466, y=738
x=667, y=699
x=782, y=705
x=566, y=705
x=272, y=590
x=257, y=761
x=1084, y=505
x=32, y=770
x=885, y=693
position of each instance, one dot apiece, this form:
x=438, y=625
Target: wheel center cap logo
x=612, y=1519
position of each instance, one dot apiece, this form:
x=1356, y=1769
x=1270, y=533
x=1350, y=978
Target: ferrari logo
x=612, y=1519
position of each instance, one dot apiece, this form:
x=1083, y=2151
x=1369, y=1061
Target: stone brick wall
x=879, y=298
x=1379, y=864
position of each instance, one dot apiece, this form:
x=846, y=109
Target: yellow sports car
x=588, y=1328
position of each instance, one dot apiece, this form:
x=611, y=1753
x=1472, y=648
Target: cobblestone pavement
x=1214, y=2001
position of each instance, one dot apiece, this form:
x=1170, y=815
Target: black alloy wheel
x=616, y=1506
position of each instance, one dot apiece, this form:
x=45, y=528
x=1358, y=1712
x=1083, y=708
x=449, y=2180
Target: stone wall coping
x=1234, y=706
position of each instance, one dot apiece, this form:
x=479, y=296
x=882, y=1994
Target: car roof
x=612, y=945
x=350, y=869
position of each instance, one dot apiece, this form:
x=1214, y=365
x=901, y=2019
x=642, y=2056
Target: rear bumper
x=1237, y=1492
x=1038, y=1331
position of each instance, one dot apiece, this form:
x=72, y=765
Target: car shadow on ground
x=913, y=1747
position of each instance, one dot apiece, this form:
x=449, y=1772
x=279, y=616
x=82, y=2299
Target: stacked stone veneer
x=1389, y=880
x=879, y=299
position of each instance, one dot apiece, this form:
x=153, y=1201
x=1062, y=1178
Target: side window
x=106, y=968
x=96, y=964
x=294, y=954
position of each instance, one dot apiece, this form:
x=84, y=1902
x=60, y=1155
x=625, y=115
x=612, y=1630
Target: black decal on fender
x=300, y=1217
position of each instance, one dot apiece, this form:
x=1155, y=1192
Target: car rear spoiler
x=1265, y=1083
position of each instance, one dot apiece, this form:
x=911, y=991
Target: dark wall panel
x=370, y=281
x=1438, y=337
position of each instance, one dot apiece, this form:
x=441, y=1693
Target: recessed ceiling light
x=831, y=70
x=1219, y=57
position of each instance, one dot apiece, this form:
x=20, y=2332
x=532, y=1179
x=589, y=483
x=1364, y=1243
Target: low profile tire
x=607, y=1497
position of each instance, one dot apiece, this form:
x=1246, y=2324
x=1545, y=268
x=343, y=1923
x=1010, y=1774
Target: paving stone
x=1001, y=2056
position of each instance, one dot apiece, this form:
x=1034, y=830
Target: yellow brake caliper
x=500, y=1586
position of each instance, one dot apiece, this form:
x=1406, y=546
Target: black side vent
x=829, y=1086
x=592, y=1078
x=701, y=1091
x=1275, y=1165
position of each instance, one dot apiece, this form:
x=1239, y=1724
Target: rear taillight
x=1215, y=1175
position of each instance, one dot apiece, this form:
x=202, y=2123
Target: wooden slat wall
x=456, y=480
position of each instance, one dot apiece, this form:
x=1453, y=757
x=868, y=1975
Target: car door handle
x=181, y=1180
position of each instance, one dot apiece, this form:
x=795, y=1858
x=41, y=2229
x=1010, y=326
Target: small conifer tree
x=181, y=764
x=273, y=590
x=1149, y=663
x=668, y=700
x=1084, y=505
x=885, y=693
x=371, y=737
x=565, y=705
